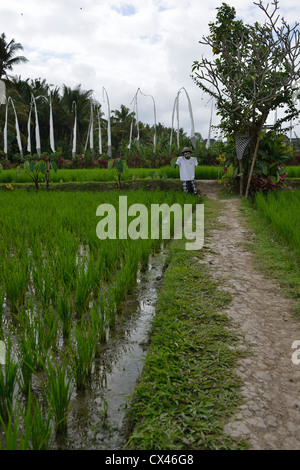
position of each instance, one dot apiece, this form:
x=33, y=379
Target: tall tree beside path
x=253, y=70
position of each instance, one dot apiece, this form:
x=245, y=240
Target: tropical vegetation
x=254, y=70
x=8, y=58
x=63, y=111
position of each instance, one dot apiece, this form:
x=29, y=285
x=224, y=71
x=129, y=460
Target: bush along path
x=263, y=316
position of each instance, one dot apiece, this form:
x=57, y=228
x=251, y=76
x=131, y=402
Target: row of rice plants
x=281, y=210
x=104, y=175
x=202, y=172
x=61, y=291
x=293, y=171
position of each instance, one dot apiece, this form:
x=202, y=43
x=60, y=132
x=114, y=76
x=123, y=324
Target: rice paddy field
x=62, y=294
x=281, y=211
x=104, y=175
x=293, y=172
x=74, y=311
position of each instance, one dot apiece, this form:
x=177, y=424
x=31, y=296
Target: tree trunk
x=241, y=177
x=263, y=119
x=47, y=174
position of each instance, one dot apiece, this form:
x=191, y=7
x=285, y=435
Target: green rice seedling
x=293, y=171
x=65, y=267
x=97, y=276
x=36, y=250
x=95, y=319
x=44, y=332
x=112, y=257
x=103, y=325
x=103, y=412
x=144, y=257
x=83, y=353
x=96, y=269
x=8, y=382
x=50, y=323
x=59, y=391
x=111, y=306
x=281, y=210
x=30, y=334
x=64, y=307
x=15, y=279
x=28, y=360
x=99, y=322
x=14, y=439
x=83, y=291
x=125, y=278
x=2, y=297
x=38, y=427
x=43, y=284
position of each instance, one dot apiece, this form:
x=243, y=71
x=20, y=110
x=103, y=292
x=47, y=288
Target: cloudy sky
x=123, y=46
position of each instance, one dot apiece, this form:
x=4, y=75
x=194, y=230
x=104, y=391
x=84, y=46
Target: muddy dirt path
x=269, y=418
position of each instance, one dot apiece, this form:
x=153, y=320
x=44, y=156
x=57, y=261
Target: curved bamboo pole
x=74, y=106
x=9, y=99
x=51, y=127
x=154, y=106
x=109, y=148
x=176, y=107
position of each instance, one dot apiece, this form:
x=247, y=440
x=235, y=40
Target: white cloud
x=122, y=45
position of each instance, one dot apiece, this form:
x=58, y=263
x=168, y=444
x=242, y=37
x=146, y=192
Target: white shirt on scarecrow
x=187, y=167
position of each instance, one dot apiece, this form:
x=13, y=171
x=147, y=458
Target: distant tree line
x=77, y=120
x=128, y=138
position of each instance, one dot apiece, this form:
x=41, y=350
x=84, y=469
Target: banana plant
x=120, y=166
x=36, y=168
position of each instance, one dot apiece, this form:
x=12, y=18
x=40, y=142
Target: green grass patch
x=188, y=387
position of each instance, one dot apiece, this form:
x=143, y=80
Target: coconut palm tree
x=121, y=126
x=8, y=56
x=82, y=99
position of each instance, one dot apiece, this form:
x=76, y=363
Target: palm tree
x=82, y=99
x=121, y=129
x=8, y=56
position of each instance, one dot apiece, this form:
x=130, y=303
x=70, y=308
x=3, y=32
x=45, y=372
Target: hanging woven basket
x=242, y=141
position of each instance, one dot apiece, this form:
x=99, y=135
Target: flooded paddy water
x=96, y=418
x=97, y=414
x=75, y=344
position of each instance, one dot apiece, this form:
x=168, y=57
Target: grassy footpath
x=188, y=387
